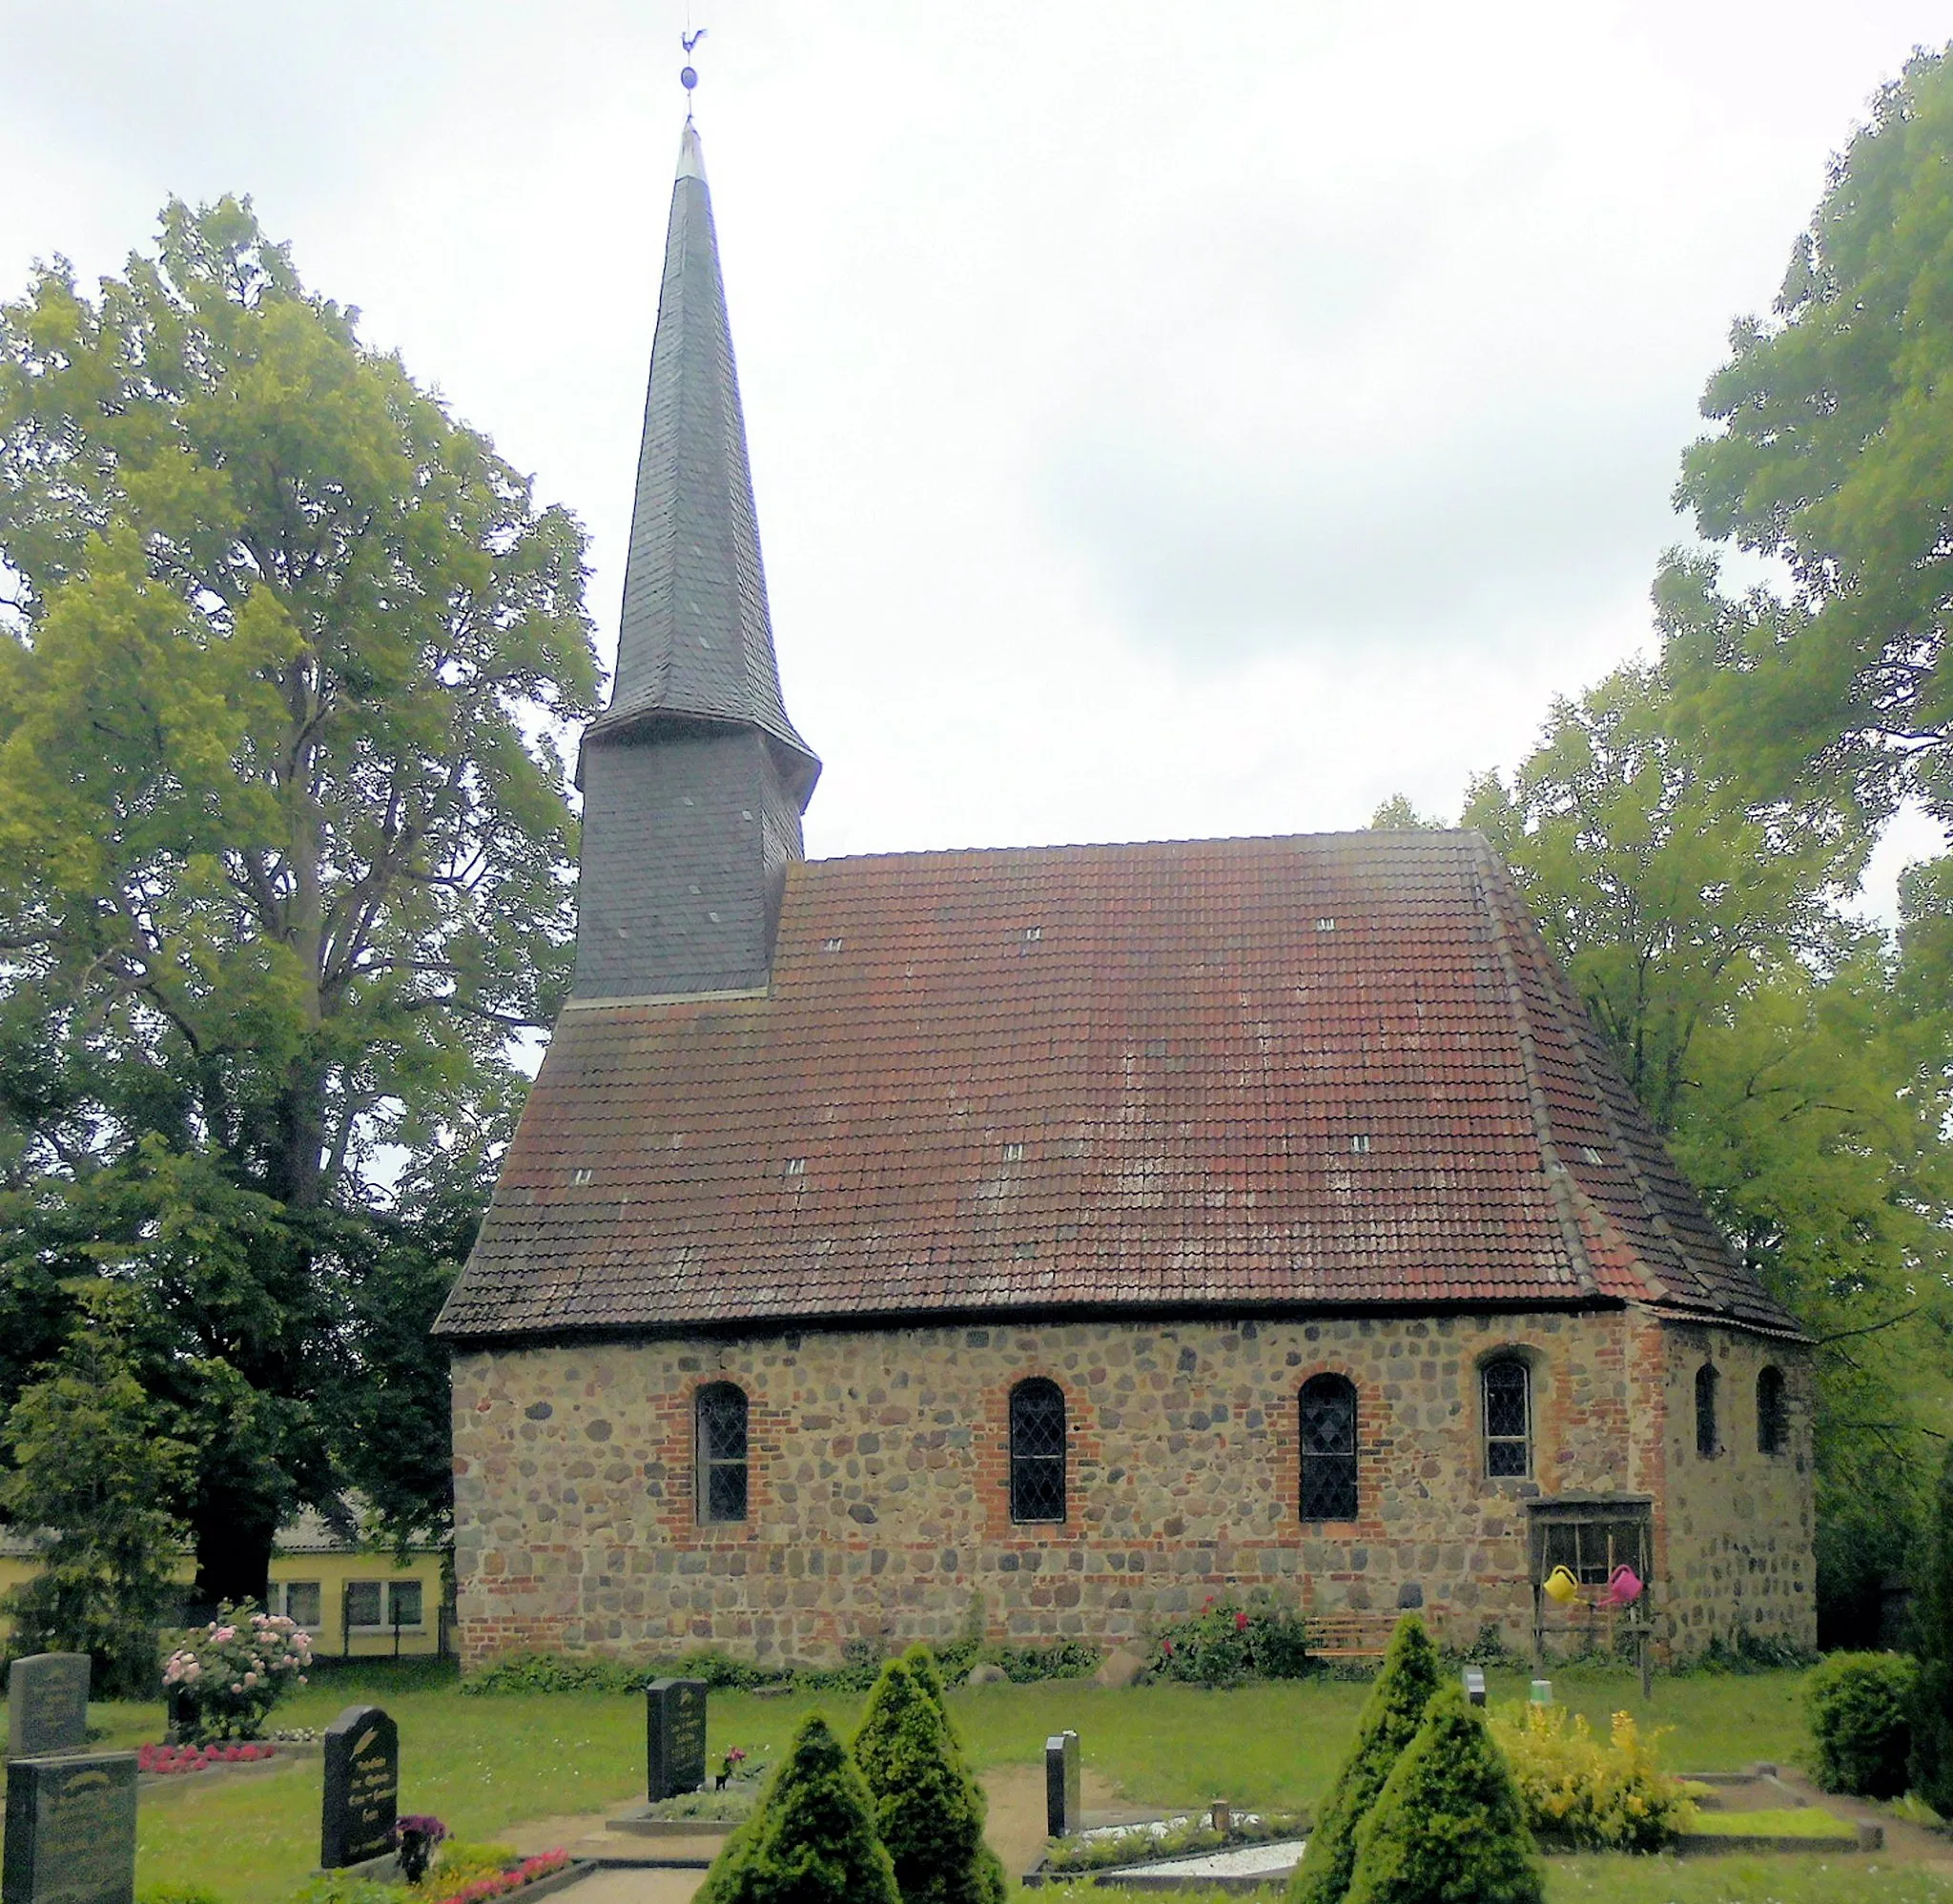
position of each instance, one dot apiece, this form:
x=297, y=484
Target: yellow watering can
x=1561, y=1586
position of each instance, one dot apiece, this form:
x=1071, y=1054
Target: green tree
x=1448, y=1825
x=927, y=1809
x=1832, y=458
x=285, y=846
x=1794, y=1062
x=93, y=1458
x=1388, y=1723
x=814, y=1840
x=1397, y=815
x=1931, y=1764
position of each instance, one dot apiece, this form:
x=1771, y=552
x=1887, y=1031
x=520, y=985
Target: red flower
x=1166, y=1647
x=1241, y=1623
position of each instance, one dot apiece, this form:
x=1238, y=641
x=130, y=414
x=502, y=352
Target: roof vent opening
x=1325, y=925
x=1014, y=1152
x=1032, y=934
x=796, y=1166
x=1024, y=1252
x=578, y=1177
x=1359, y=1142
x=831, y=945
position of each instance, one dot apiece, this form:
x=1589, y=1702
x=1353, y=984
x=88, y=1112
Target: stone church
x=1039, y=1241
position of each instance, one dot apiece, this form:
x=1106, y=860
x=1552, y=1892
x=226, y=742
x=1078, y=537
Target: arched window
x=1773, y=1413
x=1328, y=1448
x=721, y=1421
x=1037, y=1451
x=1508, y=1384
x=1705, y=1412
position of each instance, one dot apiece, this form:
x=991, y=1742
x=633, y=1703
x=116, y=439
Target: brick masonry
x=879, y=1501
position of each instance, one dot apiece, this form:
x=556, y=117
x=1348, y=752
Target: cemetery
x=1064, y=1788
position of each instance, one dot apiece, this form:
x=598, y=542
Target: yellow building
x=357, y=1601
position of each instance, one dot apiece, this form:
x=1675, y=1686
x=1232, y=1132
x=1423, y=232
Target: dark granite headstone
x=1474, y=1686
x=71, y=1831
x=362, y=1787
x=47, y=1705
x=1062, y=1812
x=674, y=1737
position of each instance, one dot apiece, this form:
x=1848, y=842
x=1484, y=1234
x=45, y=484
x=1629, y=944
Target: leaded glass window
x=721, y=1453
x=1773, y=1413
x=1328, y=1448
x=1508, y=1384
x=1706, y=1442
x=1038, y=1451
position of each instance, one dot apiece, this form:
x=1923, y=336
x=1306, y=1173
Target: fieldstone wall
x=879, y=1504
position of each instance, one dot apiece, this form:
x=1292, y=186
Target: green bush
x=1931, y=1762
x=928, y=1809
x=1448, y=1823
x=1583, y=1794
x=1862, y=1722
x=1226, y=1642
x=813, y=1839
x=1385, y=1727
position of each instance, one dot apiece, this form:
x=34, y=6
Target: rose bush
x=229, y=1675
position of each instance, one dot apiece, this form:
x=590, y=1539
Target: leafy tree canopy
x=285, y=847
x=1834, y=458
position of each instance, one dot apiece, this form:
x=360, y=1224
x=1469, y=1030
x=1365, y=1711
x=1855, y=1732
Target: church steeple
x=694, y=778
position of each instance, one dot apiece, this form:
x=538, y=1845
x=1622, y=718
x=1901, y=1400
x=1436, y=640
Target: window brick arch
x=1327, y=1419
x=1038, y=1451
x=1708, y=1443
x=1505, y=1388
x=1773, y=1411
x=719, y=1419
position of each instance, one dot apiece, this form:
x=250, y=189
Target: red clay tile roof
x=1334, y=1070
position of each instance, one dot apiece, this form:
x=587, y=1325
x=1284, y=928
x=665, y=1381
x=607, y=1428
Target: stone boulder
x=1122, y=1668
x=983, y=1674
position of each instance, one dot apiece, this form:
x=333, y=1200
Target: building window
x=1038, y=1451
x=1328, y=1448
x=303, y=1603
x=363, y=1604
x=403, y=1602
x=1508, y=1385
x=721, y=1452
x=1773, y=1413
x=1705, y=1412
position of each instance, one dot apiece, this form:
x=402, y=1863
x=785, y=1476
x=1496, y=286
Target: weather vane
x=687, y=76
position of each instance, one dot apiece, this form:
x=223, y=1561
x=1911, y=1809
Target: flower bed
x=168, y=1760
x=499, y=1883
x=1112, y=1846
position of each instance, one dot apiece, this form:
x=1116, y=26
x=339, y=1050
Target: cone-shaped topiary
x=1932, y=1615
x=812, y=1841
x=927, y=1807
x=1388, y=1723
x=1448, y=1827
x=921, y=1662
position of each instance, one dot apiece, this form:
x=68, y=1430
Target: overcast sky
x=1167, y=421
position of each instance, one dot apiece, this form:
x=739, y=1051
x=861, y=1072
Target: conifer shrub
x=1388, y=1723
x=1860, y=1708
x=927, y=1809
x=1448, y=1827
x=1931, y=1761
x=812, y=1840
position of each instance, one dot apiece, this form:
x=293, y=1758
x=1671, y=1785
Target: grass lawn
x=485, y=1764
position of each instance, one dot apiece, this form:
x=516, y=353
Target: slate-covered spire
x=694, y=778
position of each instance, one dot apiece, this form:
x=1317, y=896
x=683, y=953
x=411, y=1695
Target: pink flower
x=251, y=1679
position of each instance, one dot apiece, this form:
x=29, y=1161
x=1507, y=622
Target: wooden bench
x=1350, y=1635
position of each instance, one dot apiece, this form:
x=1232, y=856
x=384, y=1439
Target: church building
x=1039, y=1241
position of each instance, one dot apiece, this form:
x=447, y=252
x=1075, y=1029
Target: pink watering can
x=1623, y=1585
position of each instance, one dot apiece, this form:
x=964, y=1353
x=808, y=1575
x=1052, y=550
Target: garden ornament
x=1623, y=1585
x=1561, y=1586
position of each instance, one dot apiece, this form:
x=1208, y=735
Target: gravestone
x=674, y=1737
x=47, y=1705
x=71, y=1831
x=1474, y=1686
x=363, y=1788
x=1062, y=1775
